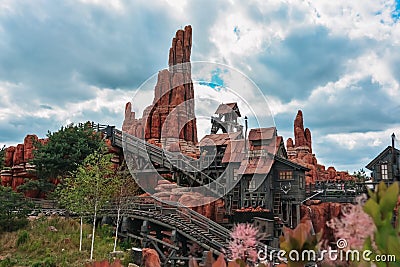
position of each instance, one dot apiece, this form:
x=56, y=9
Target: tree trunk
x=94, y=228
x=81, y=234
x=116, y=230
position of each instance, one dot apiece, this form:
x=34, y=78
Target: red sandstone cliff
x=18, y=169
x=319, y=214
x=170, y=120
x=300, y=151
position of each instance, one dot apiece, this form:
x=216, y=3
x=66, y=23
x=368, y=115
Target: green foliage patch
x=64, y=151
x=14, y=209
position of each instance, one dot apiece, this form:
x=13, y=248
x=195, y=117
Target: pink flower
x=354, y=226
x=243, y=244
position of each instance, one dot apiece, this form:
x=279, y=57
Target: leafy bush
x=23, y=237
x=47, y=262
x=105, y=231
x=386, y=239
x=126, y=244
x=6, y=263
x=299, y=239
x=62, y=154
x=14, y=209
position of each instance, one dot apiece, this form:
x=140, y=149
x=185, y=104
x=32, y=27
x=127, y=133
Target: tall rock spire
x=302, y=138
x=170, y=120
x=300, y=151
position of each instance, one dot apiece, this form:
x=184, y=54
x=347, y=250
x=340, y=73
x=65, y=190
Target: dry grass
x=60, y=248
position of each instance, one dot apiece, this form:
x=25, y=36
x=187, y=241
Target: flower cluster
x=243, y=243
x=348, y=226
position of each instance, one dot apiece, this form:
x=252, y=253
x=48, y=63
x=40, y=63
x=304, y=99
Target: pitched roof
x=260, y=165
x=218, y=139
x=234, y=151
x=262, y=133
x=291, y=164
x=228, y=108
x=370, y=166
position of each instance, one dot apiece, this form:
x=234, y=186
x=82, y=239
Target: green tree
x=361, y=175
x=2, y=156
x=126, y=187
x=90, y=187
x=14, y=209
x=62, y=154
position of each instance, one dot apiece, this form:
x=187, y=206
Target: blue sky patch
x=236, y=30
x=396, y=11
x=216, y=81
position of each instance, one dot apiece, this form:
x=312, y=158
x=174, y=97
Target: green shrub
x=6, y=263
x=37, y=264
x=49, y=262
x=22, y=238
x=105, y=231
x=127, y=258
x=14, y=210
x=126, y=244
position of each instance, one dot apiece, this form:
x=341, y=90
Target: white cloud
x=356, y=19
x=336, y=60
x=351, y=141
x=116, y=5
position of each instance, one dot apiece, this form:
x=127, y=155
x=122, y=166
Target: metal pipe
x=245, y=134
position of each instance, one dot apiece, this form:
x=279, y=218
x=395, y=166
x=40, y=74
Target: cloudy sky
x=338, y=61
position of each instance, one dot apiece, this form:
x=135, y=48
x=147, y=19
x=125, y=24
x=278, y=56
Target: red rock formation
x=170, y=120
x=319, y=214
x=29, y=142
x=302, y=137
x=9, y=156
x=105, y=263
x=19, y=154
x=289, y=143
x=169, y=191
x=6, y=177
x=300, y=151
x=18, y=169
x=150, y=258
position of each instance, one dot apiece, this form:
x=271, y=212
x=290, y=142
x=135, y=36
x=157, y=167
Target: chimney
x=393, y=139
x=396, y=165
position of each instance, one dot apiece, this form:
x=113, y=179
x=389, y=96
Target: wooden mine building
x=386, y=166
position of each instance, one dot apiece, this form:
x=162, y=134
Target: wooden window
x=235, y=174
x=384, y=171
x=285, y=175
x=252, y=184
x=301, y=181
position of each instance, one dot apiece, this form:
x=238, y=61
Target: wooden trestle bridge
x=168, y=228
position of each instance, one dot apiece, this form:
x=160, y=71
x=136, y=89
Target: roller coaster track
x=195, y=227
x=164, y=159
x=190, y=224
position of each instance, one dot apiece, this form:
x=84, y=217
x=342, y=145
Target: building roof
x=234, y=151
x=218, y=139
x=370, y=166
x=291, y=164
x=228, y=108
x=260, y=165
x=263, y=165
x=262, y=133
